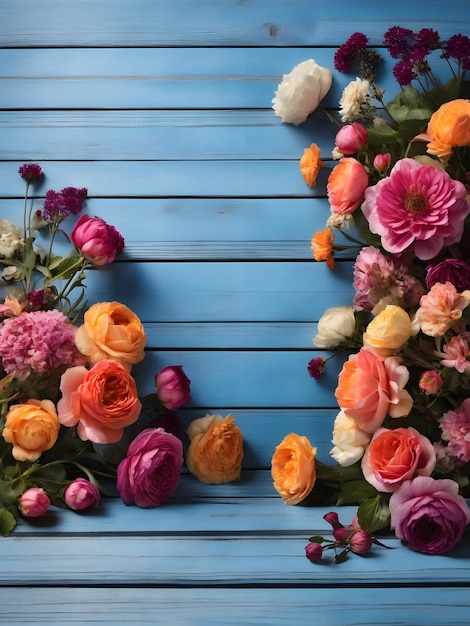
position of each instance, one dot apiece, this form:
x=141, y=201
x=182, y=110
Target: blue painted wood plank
x=260, y=23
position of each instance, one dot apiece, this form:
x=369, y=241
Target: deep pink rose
x=81, y=495
x=34, y=502
x=97, y=241
x=150, y=472
x=429, y=514
x=172, y=387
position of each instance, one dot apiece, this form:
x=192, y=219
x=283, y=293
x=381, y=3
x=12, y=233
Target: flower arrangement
x=72, y=425
x=399, y=198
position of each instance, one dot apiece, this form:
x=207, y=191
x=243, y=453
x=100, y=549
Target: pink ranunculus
x=346, y=185
x=416, y=207
x=97, y=241
x=81, y=495
x=172, y=387
x=34, y=502
x=150, y=471
x=429, y=514
x=351, y=138
x=455, y=426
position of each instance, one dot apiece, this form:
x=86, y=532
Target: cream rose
x=349, y=440
x=335, y=326
x=388, y=331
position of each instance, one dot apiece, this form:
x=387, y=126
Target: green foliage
x=7, y=522
x=373, y=514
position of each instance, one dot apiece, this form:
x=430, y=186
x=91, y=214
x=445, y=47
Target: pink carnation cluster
x=455, y=426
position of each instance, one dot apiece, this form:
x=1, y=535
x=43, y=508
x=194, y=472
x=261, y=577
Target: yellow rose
x=449, y=127
x=111, y=331
x=215, y=453
x=31, y=428
x=293, y=468
x=388, y=331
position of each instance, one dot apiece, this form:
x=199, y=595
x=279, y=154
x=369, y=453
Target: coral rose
x=101, y=402
x=293, y=468
x=215, y=453
x=449, y=127
x=394, y=456
x=310, y=164
x=388, y=331
x=31, y=428
x=369, y=388
x=346, y=185
x=111, y=331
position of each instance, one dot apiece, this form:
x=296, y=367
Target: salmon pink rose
x=101, y=402
x=97, y=241
x=346, y=185
x=369, y=388
x=111, y=331
x=449, y=127
x=394, y=456
x=293, y=468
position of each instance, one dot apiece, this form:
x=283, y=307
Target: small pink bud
x=341, y=534
x=332, y=519
x=351, y=138
x=360, y=542
x=313, y=551
x=382, y=161
x=172, y=387
x=430, y=382
x=34, y=502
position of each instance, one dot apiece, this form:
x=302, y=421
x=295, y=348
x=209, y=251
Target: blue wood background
x=162, y=109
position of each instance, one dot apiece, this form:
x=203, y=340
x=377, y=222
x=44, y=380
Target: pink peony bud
x=34, y=502
x=313, y=551
x=172, y=387
x=351, y=138
x=382, y=161
x=97, y=241
x=81, y=495
x=430, y=382
x=360, y=542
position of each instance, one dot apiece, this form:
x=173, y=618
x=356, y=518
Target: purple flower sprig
x=346, y=539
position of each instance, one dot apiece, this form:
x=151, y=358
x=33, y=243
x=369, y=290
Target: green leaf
x=10, y=491
x=342, y=556
x=356, y=491
x=316, y=539
x=374, y=514
x=7, y=522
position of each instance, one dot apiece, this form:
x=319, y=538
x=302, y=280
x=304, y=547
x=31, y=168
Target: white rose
x=301, y=91
x=335, y=326
x=349, y=440
x=354, y=96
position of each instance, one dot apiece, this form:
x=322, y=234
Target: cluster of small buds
x=345, y=539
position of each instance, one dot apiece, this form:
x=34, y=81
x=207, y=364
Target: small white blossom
x=11, y=239
x=355, y=96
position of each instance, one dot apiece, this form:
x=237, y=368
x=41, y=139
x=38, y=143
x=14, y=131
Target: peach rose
x=322, y=247
x=293, y=468
x=449, y=127
x=388, y=331
x=369, y=388
x=394, y=456
x=440, y=308
x=346, y=185
x=111, y=331
x=215, y=453
x=310, y=164
x=31, y=428
x=101, y=402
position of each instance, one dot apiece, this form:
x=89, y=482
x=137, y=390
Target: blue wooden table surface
x=162, y=109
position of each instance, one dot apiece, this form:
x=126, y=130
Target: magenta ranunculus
x=451, y=270
x=150, y=472
x=34, y=502
x=82, y=495
x=97, y=240
x=172, y=387
x=417, y=207
x=429, y=514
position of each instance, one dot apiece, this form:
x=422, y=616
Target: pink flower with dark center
x=455, y=426
x=416, y=207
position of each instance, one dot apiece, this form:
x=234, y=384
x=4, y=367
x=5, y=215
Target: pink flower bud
x=97, y=241
x=172, y=387
x=351, y=138
x=34, y=502
x=332, y=519
x=360, y=542
x=313, y=551
x=341, y=534
x=430, y=382
x=382, y=161
x=81, y=495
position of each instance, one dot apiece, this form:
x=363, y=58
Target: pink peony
x=416, y=207
x=429, y=514
x=97, y=240
x=172, y=387
x=150, y=472
x=455, y=426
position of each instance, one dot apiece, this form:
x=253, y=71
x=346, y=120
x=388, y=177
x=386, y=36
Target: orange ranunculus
x=449, y=127
x=31, y=428
x=322, y=246
x=215, y=453
x=101, y=402
x=388, y=331
x=293, y=468
x=111, y=331
x=346, y=185
x=369, y=388
x=310, y=164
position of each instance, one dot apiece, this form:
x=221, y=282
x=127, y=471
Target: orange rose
x=31, y=428
x=449, y=127
x=346, y=185
x=310, y=164
x=322, y=246
x=215, y=453
x=111, y=331
x=293, y=468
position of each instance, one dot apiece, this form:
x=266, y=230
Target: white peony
x=355, y=95
x=349, y=441
x=335, y=326
x=301, y=91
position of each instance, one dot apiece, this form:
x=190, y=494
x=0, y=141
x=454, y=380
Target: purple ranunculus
x=454, y=271
x=172, y=387
x=97, y=240
x=150, y=472
x=429, y=514
x=81, y=495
